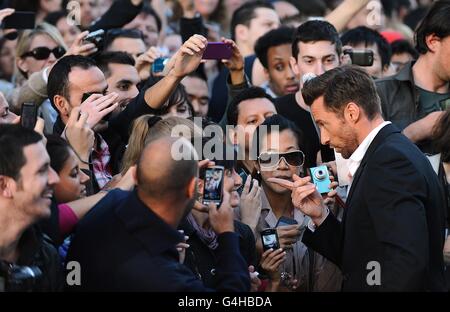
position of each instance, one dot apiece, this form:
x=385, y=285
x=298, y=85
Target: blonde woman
x=150, y=127
x=37, y=51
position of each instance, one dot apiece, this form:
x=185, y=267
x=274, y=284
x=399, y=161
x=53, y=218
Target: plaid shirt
x=100, y=162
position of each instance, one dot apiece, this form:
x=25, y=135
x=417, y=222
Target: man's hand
x=222, y=218
x=80, y=48
x=255, y=282
x=79, y=135
x=271, y=261
x=304, y=197
x=423, y=128
x=235, y=64
x=98, y=106
x=189, y=56
x=198, y=205
x=288, y=235
x=251, y=203
x=181, y=247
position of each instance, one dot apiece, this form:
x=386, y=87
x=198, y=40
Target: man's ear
x=62, y=105
x=191, y=187
x=352, y=112
x=432, y=41
x=200, y=186
x=294, y=66
x=7, y=185
x=241, y=32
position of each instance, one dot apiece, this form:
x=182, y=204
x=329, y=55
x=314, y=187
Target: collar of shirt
x=358, y=155
x=269, y=217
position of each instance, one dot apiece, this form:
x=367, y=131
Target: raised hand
x=304, y=196
x=189, y=56
x=98, y=106
x=222, y=218
x=79, y=134
x=250, y=207
x=80, y=48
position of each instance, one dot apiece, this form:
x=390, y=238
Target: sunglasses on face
x=43, y=53
x=272, y=159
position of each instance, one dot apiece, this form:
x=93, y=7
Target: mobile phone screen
x=212, y=192
x=270, y=240
x=28, y=115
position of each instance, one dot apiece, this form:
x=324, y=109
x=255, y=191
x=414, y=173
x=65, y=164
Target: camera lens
x=319, y=174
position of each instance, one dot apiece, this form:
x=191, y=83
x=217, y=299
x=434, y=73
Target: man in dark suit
x=392, y=233
x=128, y=241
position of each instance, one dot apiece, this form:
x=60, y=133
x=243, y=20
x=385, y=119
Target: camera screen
x=213, y=184
x=269, y=240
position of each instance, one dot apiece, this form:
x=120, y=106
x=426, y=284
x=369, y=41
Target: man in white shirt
x=392, y=233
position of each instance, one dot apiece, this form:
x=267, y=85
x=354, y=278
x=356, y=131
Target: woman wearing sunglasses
x=279, y=145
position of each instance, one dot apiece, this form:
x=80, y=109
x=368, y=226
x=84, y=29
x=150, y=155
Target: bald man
x=127, y=242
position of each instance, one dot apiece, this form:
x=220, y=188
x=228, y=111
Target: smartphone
x=20, y=20
x=28, y=116
x=217, y=51
x=269, y=239
x=244, y=176
x=159, y=64
x=86, y=96
x=286, y=221
x=97, y=37
x=360, y=57
x=213, y=185
x=321, y=178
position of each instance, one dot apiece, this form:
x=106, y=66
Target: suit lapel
x=378, y=140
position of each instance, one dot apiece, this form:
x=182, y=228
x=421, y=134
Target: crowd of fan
x=95, y=181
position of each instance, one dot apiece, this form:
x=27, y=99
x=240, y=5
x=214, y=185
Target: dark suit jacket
x=394, y=215
x=122, y=245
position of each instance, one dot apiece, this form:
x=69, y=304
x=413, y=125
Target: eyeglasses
x=272, y=159
x=43, y=53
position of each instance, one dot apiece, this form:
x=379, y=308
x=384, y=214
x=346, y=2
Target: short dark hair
x=435, y=22
x=404, y=46
x=245, y=13
x=115, y=33
x=58, y=150
x=283, y=124
x=313, y=31
x=178, y=96
x=58, y=79
x=13, y=139
x=274, y=38
x=342, y=85
x=105, y=58
x=367, y=36
x=247, y=94
x=148, y=10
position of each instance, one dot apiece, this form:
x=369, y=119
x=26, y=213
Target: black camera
x=20, y=278
x=96, y=37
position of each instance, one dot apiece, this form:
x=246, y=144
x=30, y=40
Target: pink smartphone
x=217, y=51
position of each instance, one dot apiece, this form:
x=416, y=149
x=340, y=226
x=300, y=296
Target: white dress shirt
x=355, y=160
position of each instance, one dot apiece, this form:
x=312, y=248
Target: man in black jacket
x=128, y=241
x=28, y=262
x=392, y=233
